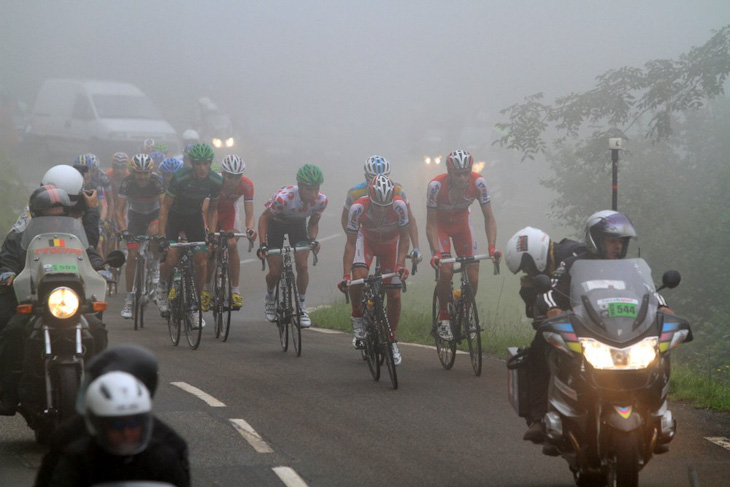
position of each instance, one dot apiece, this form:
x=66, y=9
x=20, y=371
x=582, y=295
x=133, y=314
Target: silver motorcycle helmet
x=608, y=223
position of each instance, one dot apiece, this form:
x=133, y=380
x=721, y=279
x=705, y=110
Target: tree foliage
x=622, y=98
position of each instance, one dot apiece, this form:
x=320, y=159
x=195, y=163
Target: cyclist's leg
x=297, y=235
x=152, y=228
x=446, y=271
x=465, y=245
x=234, y=261
x=388, y=254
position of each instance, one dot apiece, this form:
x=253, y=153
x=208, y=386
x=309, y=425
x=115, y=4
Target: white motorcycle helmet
x=118, y=413
x=527, y=244
x=190, y=136
x=608, y=223
x=66, y=178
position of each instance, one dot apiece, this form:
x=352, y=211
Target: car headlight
x=602, y=356
x=230, y=142
x=63, y=303
x=217, y=143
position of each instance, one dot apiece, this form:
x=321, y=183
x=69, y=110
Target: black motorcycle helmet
x=133, y=359
x=47, y=197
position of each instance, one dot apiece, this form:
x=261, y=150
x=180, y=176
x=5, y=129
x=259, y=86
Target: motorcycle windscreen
x=614, y=299
x=56, y=245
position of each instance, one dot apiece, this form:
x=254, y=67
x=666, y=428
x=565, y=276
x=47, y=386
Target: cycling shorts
x=139, y=222
x=191, y=225
x=297, y=231
x=226, y=220
x=366, y=250
x=463, y=237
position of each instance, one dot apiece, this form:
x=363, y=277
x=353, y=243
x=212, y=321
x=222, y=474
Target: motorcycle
x=609, y=371
x=57, y=288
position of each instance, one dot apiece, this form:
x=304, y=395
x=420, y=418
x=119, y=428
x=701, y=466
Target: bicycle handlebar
x=371, y=278
x=186, y=244
x=289, y=250
x=471, y=259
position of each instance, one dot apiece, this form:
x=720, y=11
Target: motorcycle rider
x=531, y=251
x=130, y=358
x=120, y=446
x=45, y=201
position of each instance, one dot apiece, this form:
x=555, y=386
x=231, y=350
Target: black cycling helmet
x=47, y=197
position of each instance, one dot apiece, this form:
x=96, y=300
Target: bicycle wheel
x=174, y=316
x=294, y=322
x=193, y=314
x=445, y=349
x=226, y=305
x=217, y=305
x=371, y=345
x=137, y=296
x=470, y=327
x=385, y=337
x=283, y=303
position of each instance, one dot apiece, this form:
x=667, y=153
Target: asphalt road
x=258, y=416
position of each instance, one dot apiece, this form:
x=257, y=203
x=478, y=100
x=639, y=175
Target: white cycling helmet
x=142, y=163
x=375, y=165
x=459, y=159
x=66, y=178
x=527, y=244
x=190, y=136
x=232, y=164
x=381, y=190
x=114, y=404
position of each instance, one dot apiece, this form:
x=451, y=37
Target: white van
x=72, y=117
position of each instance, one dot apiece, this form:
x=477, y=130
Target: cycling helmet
x=133, y=359
x=170, y=165
x=190, y=135
x=375, y=165
x=459, y=159
x=66, y=178
x=117, y=402
x=89, y=160
x=147, y=145
x=310, y=175
x=120, y=159
x=528, y=244
x=160, y=147
x=157, y=156
x=142, y=163
x=381, y=190
x=608, y=223
x=47, y=197
x=233, y=164
x=201, y=153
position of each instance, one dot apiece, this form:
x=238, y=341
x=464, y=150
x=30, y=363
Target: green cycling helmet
x=160, y=147
x=310, y=174
x=201, y=153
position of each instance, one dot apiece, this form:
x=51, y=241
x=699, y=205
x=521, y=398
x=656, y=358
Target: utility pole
x=614, y=143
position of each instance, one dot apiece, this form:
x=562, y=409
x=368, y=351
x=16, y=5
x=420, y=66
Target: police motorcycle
x=609, y=371
x=57, y=288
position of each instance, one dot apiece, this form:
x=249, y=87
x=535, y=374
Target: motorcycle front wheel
x=623, y=469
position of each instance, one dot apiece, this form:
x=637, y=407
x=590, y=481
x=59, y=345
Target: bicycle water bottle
x=457, y=294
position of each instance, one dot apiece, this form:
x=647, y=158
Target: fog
x=331, y=82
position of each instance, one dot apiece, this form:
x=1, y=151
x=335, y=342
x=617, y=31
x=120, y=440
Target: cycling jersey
x=381, y=230
x=287, y=207
x=228, y=210
x=361, y=190
x=142, y=199
x=116, y=178
x=452, y=205
x=190, y=192
x=101, y=183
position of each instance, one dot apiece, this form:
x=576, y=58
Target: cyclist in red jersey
x=448, y=200
x=235, y=186
x=377, y=226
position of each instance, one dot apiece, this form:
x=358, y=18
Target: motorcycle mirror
x=115, y=258
x=670, y=279
x=542, y=283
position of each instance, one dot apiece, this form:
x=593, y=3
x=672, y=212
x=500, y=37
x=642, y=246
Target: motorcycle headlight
x=230, y=142
x=217, y=143
x=63, y=302
x=602, y=356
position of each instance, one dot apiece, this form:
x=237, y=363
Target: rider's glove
x=342, y=285
x=402, y=272
x=435, y=260
x=162, y=244
x=6, y=278
x=210, y=238
x=416, y=256
x=251, y=234
x=125, y=235
x=262, y=251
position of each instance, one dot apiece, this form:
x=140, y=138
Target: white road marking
x=720, y=441
x=247, y=261
x=212, y=402
x=326, y=331
x=250, y=435
x=289, y=477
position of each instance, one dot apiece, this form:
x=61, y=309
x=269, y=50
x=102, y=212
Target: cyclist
x=148, y=146
x=168, y=168
x=286, y=213
x=235, y=186
x=375, y=165
x=190, y=137
x=117, y=173
x=377, y=227
x=448, y=199
x=181, y=211
x=141, y=194
x=97, y=180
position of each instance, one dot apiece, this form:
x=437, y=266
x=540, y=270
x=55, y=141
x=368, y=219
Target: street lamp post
x=614, y=143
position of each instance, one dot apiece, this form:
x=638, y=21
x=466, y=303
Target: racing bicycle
x=222, y=296
x=185, y=309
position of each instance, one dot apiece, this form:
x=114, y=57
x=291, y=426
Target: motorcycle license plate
x=622, y=310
